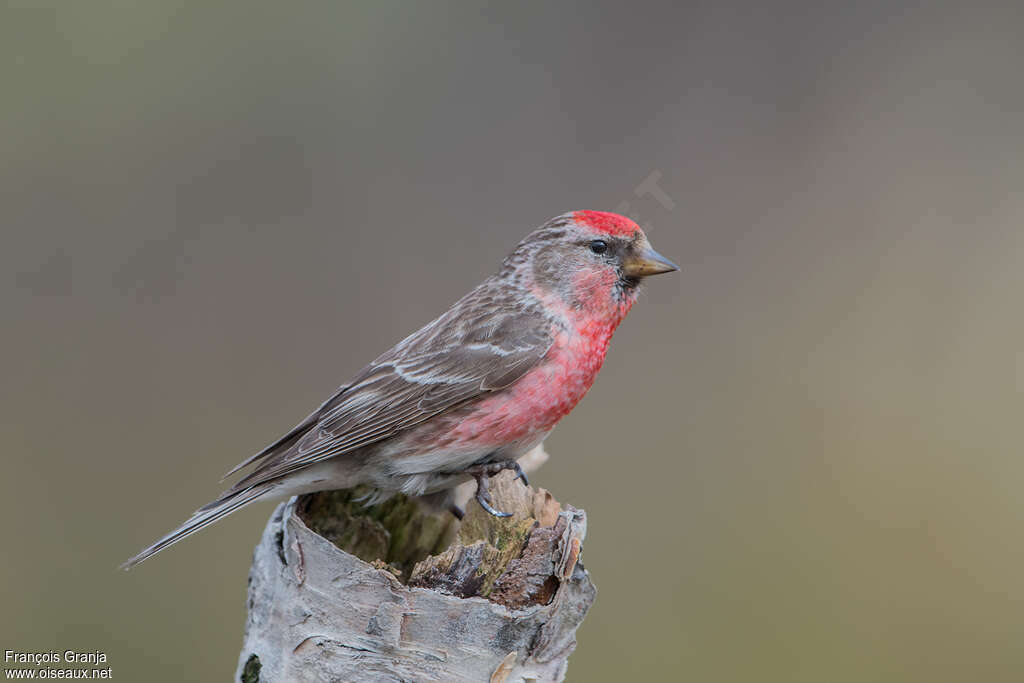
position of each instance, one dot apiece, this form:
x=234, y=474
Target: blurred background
x=803, y=459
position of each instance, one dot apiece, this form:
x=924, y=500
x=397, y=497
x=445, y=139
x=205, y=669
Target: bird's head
x=588, y=261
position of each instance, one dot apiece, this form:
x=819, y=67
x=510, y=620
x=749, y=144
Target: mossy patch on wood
x=251, y=670
x=399, y=532
x=433, y=550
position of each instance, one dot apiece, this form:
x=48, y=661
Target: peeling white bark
x=317, y=613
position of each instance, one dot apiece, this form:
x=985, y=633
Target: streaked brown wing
x=484, y=343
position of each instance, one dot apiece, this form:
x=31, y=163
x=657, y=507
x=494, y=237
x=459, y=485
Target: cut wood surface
x=396, y=592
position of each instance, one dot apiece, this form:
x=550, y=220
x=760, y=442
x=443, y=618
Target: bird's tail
x=202, y=518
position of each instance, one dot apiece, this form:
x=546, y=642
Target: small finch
x=470, y=392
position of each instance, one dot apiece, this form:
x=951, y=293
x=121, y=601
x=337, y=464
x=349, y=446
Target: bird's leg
x=482, y=475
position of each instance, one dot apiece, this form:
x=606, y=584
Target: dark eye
x=598, y=246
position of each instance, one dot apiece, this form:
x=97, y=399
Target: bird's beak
x=645, y=261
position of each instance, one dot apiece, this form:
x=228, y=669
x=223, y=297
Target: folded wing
x=484, y=343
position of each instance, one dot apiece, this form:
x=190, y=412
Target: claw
x=519, y=473
x=487, y=506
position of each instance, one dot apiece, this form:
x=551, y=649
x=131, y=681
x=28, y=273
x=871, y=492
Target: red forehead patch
x=605, y=223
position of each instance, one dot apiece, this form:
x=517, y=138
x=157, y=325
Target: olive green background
x=803, y=460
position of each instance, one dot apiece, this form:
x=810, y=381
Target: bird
x=471, y=391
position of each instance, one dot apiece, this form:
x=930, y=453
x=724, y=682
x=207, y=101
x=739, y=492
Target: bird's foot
x=482, y=474
x=483, y=496
x=491, y=468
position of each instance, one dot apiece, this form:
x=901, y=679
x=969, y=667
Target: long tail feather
x=202, y=518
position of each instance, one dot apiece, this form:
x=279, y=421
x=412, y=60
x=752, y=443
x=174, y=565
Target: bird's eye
x=598, y=246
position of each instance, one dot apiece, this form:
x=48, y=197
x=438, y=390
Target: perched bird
x=471, y=391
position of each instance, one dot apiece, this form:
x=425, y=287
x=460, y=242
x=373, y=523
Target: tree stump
x=396, y=592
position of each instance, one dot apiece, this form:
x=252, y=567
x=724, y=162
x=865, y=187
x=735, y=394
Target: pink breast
x=542, y=397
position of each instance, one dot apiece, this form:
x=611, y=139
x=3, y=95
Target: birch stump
x=394, y=592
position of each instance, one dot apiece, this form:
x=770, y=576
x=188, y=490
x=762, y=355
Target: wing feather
x=484, y=343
